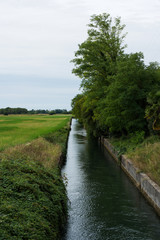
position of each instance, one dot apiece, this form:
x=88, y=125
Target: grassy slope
x=147, y=158
x=145, y=155
x=32, y=193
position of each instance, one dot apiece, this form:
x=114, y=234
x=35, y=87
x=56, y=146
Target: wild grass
x=144, y=152
x=20, y=129
x=39, y=150
x=147, y=158
x=32, y=194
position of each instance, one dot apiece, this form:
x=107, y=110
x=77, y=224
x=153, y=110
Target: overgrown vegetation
x=38, y=150
x=32, y=193
x=144, y=152
x=33, y=201
x=118, y=88
x=146, y=158
x=59, y=137
x=126, y=144
x=120, y=97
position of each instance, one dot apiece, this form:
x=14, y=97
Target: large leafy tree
x=96, y=57
x=115, y=85
x=123, y=107
x=132, y=88
x=96, y=60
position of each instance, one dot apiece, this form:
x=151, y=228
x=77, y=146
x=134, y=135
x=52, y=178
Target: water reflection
x=104, y=204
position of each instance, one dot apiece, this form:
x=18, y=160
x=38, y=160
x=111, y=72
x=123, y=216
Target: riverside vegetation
x=121, y=94
x=32, y=193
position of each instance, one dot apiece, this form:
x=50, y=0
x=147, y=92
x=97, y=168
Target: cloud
x=35, y=92
x=37, y=40
x=39, y=37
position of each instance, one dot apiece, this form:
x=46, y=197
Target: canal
x=103, y=202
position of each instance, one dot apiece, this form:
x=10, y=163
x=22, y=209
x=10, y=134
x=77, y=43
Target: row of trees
x=120, y=94
x=51, y=112
x=8, y=110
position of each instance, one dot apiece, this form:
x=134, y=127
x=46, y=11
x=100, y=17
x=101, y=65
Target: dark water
x=103, y=203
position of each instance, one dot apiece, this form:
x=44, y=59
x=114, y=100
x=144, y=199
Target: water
x=103, y=203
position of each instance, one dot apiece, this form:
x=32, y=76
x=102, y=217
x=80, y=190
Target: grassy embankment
x=144, y=152
x=32, y=194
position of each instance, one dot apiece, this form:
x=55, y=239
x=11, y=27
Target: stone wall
x=148, y=188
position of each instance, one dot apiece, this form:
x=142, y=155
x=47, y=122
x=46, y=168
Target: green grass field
x=33, y=196
x=18, y=129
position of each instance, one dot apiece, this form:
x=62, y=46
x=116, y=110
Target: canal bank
x=103, y=203
x=147, y=187
x=33, y=195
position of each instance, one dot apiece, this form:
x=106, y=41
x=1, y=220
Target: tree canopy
x=115, y=86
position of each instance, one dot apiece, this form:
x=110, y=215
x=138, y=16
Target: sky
x=38, y=39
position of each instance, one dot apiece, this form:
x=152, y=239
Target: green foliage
x=95, y=63
x=137, y=137
x=96, y=57
x=33, y=201
x=9, y=110
x=123, y=106
x=153, y=99
x=126, y=144
x=121, y=95
x=77, y=103
x=117, y=87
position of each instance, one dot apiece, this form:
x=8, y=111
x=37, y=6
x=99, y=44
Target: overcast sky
x=38, y=39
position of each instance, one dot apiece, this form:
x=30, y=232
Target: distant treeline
x=8, y=110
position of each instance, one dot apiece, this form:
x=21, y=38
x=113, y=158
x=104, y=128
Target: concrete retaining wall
x=148, y=188
x=62, y=158
x=110, y=148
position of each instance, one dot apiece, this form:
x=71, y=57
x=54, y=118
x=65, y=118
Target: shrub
x=33, y=201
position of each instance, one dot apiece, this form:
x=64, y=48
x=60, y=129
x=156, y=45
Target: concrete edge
x=62, y=158
x=149, y=189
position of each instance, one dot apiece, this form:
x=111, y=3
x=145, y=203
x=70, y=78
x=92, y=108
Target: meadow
x=19, y=129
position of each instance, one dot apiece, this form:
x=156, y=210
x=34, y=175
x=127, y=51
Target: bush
x=126, y=144
x=137, y=137
x=32, y=194
x=33, y=201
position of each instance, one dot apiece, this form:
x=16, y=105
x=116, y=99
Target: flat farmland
x=18, y=129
